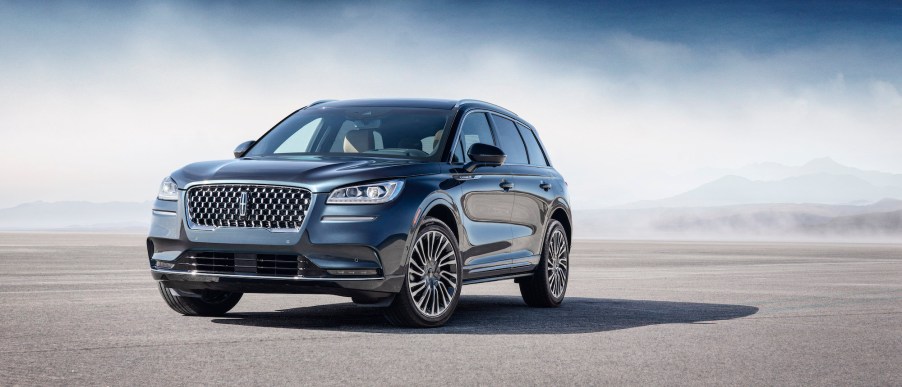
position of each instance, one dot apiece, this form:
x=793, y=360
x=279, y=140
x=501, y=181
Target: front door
x=486, y=217
x=486, y=205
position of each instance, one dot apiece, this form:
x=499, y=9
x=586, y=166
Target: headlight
x=375, y=193
x=168, y=190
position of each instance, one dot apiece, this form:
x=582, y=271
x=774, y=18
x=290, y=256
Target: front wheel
x=203, y=303
x=548, y=284
x=432, y=285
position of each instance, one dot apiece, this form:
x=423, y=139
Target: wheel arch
x=562, y=215
x=443, y=212
x=439, y=206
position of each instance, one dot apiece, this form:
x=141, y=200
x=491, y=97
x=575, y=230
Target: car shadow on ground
x=502, y=315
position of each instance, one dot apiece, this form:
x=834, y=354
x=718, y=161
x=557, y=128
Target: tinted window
x=458, y=156
x=475, y=129
x=536, y=156
x=511, y=143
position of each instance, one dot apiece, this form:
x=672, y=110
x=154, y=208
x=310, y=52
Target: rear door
x=531, y=190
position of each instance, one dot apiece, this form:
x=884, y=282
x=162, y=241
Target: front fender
x=438, y=198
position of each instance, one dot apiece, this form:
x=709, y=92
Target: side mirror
x=241, y=149
x=484, y=155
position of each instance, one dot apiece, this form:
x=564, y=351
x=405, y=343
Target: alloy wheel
x=432, y=274
x=557, y=264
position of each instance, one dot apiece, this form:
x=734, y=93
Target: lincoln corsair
x=392, y=202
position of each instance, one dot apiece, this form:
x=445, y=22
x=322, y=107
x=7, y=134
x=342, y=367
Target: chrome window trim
x=494, y=135
x=460, y=125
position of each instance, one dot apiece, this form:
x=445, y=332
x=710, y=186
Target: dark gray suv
x=392, y=202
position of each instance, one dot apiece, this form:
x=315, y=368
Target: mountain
x=769, y=171
x=821, y=188
x=821, y=199
x=110, y=216
x=881, y=220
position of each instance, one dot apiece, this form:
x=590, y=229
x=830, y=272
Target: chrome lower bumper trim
x=264, y=277
x=345, y=219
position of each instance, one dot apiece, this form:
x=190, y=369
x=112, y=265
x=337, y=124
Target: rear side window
x=536, y=155
x=474, y=129
x=511, y=143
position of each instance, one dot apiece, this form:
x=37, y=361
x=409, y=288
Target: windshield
x=415, y=133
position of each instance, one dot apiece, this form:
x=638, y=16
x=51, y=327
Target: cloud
x=100, y=104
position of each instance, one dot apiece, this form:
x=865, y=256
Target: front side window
x=415, y=133
x=474, y=129
x=511, y=143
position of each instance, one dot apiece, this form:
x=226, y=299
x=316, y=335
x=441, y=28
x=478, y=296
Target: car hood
x=318, y=173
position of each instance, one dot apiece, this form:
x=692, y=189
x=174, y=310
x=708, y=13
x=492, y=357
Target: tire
x=210, y=303
x=433, y=268
x=543, y=289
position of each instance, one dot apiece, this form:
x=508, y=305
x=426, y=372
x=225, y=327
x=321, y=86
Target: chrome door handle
x=506, y=185
x=545, y=186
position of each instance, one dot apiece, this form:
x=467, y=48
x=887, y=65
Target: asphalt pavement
x=82, y=309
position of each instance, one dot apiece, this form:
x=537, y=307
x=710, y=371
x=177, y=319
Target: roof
x=393, y=102
x=413, y=103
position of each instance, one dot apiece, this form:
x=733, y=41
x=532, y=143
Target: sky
x=100, y=100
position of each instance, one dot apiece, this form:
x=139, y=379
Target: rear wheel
x=547, y=286
x=432, y=285
x=201, y=303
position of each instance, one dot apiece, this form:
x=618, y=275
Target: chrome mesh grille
x=247, y=205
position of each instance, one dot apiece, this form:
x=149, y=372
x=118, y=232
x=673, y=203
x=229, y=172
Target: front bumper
x=240, y=283
x=372, y=240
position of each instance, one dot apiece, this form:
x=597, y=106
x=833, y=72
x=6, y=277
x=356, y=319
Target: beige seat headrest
x=360, y=140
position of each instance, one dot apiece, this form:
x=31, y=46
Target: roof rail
x=321, y=101
x=465, y=100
